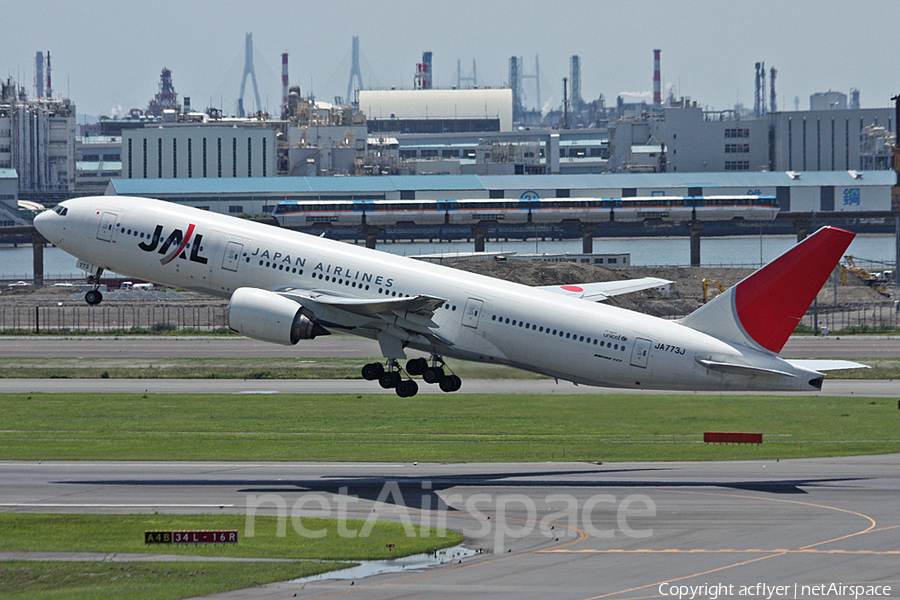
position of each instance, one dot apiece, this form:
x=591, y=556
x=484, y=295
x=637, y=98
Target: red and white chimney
x=657, y=83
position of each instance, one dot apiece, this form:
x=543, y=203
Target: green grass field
x=457, y=427
x=118, y=534
x=49, y=580
x=125, y=534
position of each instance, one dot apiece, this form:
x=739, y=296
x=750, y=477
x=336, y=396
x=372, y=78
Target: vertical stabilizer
x=763, y=310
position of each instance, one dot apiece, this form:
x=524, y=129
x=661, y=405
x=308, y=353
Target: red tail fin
x=766, y=307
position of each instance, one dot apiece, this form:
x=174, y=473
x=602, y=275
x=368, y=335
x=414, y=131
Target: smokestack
x=284, y=81
x=49, y=89
x=773, y=105
x=39, y=75
x=422, y=80
x=657, y=81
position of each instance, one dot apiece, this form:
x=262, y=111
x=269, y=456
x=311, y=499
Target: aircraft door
x=472, y=312
x=641, y=353
x=107, y=224
x=233, y=252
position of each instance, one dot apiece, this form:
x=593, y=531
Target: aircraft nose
x=49, y=224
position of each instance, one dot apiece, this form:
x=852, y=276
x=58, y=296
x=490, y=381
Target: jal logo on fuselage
x=174, y=245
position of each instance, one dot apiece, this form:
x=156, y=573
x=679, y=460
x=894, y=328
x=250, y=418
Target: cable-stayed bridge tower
x=354, y=73
x=248, y=71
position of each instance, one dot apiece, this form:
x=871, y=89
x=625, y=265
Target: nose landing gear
x=94, y=297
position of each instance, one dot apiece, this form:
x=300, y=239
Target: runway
x=570, y=531
x=875, y=388
x=347, y=346
x=354, y=347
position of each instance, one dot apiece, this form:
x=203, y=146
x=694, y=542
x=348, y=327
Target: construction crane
x=708, y=283
x=876, y=281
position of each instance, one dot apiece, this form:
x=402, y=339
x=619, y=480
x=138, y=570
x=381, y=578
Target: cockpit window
x=61, y=210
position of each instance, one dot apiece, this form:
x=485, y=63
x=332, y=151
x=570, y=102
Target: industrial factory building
x=190, y=151
x=689, y=140
x=823, y=140
x=9, y=198
x=37, y=139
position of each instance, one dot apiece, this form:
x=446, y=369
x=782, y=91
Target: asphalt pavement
x=565, y=530
x=347, y=346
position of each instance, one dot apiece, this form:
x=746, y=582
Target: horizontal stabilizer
x=602, y=290
x=822, y=365
x=739, y=369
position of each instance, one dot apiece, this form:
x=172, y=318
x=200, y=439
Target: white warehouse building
x=199, y=151
x=435, y=111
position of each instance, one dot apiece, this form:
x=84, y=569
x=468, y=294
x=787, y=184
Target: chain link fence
x=112, y=318
x=861, y=317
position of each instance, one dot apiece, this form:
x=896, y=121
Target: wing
x=391, y=321
x=600, y=291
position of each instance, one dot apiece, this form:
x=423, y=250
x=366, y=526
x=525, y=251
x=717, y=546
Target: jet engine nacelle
x=270, y=317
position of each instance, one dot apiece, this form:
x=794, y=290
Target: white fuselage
x=484, y=319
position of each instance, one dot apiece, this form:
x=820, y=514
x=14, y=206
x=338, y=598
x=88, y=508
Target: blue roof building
x=809, y=191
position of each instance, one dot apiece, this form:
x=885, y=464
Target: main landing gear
x=390, y=375
x=94, y=296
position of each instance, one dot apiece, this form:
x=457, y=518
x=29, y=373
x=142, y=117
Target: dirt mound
x=537, y=273
x=686, y=291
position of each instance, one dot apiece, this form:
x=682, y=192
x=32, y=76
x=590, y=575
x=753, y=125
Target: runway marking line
x=723, y=551
x=774, y=554
x=81, y=505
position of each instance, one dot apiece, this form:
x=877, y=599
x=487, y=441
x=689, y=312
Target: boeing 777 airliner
x=284, y=286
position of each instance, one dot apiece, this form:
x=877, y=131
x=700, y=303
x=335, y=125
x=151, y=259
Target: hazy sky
x=107, y=54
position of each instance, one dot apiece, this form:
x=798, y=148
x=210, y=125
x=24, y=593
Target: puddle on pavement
x=414, y=562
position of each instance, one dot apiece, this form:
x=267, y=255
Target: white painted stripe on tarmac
x=117, y=505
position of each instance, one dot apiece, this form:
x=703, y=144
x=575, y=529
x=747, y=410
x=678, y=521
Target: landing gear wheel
x=389, y=380
x=451, y=383
x=416, y=366
x=407, y=388
x=433, y=375
x=372, y=371
x=93, y=297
